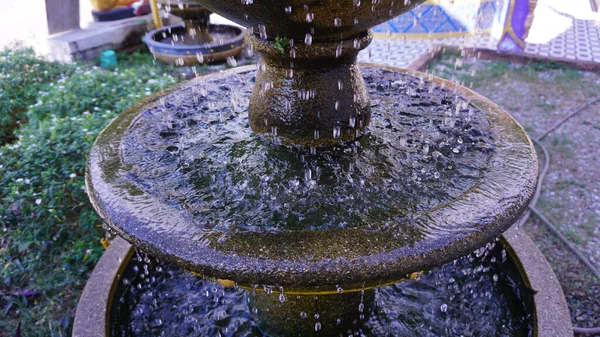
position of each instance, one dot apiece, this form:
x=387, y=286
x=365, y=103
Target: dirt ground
x=538, y=95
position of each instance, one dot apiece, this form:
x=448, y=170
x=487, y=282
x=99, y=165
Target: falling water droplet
x=288, y=9
x=336, y=132
x=231, y=61
x=337, y=22
x=444, y=307
x=310, y=16
x=262, y=30
x=200, y=57
x=308, y=39
x=352, y=122
x=303, y=314
x=308, y=174
x=318, y=326
x=338, y=51
x=281, y=298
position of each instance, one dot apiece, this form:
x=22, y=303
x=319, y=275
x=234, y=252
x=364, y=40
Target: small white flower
x=72, y=175
x=19, y=180
x=38, y=201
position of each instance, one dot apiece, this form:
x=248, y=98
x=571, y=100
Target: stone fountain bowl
x=551, y=317
x=327, y=20
x=188, y=54
x=288, y=257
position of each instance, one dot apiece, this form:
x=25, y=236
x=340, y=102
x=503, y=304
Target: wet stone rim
x=484, y=211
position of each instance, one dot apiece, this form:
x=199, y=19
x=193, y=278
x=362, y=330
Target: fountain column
x=310, y=93
x=312, y=314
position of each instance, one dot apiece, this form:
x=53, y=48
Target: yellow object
x=103, y=5
x=226, y=283
x=105, y=243
x=155, y=15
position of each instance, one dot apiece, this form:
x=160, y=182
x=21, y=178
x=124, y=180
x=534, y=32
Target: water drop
x=338, y=51
x=310, y=16
x=231, y=61
x=318, y=326
x=337, y=22
x=336, y=132
x=288, y=9
x=262, y=30
x=308, y=174
x=308, y=39
x=444, y=307
x=303, y=314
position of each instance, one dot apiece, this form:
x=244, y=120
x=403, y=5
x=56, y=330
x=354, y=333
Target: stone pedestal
x=62, y=15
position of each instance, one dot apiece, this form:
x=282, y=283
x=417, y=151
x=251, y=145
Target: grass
x=538, y=94
x=51, y=234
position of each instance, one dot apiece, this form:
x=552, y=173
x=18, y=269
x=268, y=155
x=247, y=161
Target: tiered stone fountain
x=339, y=187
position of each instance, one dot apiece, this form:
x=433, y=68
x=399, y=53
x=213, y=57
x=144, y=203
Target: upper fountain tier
x=440, y=172
x=327, y=20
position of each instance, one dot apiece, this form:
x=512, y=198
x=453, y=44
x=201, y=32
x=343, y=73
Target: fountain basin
x=400, y=235
x=228, y=41
x=550, y=313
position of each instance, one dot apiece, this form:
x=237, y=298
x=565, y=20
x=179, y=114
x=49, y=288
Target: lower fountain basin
x=168, y=45
x=526, y=283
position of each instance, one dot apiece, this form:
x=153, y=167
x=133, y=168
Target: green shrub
x=50, y=239
x=22, y=76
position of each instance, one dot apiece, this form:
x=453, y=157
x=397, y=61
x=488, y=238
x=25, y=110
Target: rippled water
x=478, y=295
x=195, y=151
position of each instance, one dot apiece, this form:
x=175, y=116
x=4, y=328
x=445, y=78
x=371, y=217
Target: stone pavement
x=562, y=30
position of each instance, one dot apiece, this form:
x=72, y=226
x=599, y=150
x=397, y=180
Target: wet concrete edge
x=93, y=311
x=551, y=312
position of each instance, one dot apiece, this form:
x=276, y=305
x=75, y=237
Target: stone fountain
x=330, y=186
